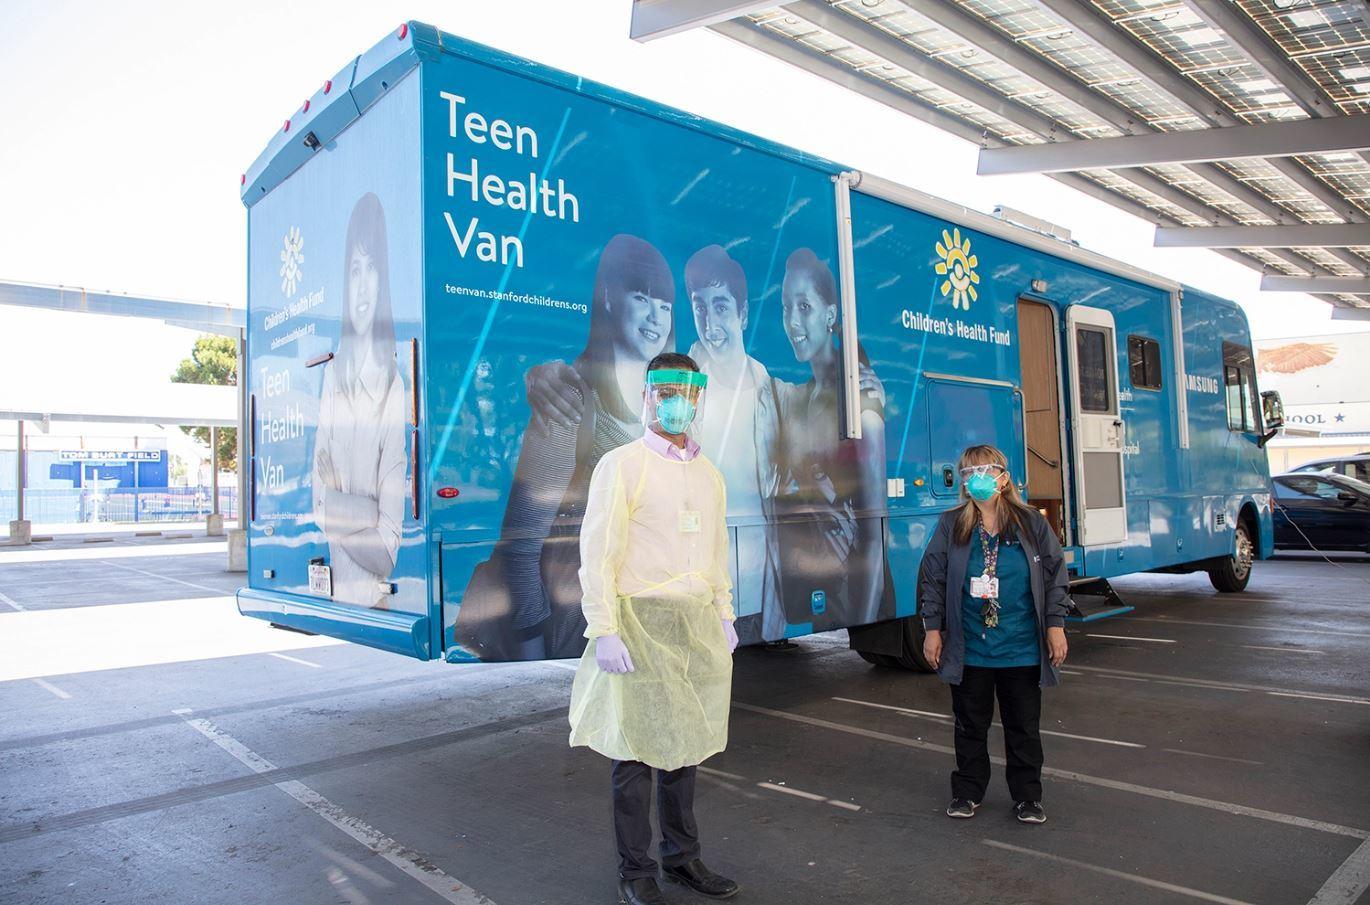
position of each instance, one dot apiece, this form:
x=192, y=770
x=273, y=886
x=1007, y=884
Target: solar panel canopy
x=1237, y=125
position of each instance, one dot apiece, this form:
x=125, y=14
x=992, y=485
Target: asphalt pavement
x=158, y=747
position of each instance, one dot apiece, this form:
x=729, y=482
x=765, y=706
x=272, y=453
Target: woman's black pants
x=1020, y=712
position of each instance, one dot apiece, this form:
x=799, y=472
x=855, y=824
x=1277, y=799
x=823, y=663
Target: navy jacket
x=942, y=577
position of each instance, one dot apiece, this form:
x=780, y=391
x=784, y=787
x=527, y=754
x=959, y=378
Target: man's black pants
x=675, y=795
x=1020, y=712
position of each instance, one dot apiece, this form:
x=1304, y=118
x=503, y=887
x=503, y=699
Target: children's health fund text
x=534, y=194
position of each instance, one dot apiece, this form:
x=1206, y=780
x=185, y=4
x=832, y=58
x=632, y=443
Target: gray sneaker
x=962, y=808
x=1029, y=812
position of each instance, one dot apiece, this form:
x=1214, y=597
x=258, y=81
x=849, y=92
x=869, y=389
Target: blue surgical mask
x=982, y=486
x=675, y=413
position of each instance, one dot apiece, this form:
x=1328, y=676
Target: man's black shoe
x=702, y=880
x=642, y=891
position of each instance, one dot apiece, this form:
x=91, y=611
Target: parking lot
x=157, y=747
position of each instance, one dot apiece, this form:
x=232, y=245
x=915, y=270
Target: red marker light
x=404, y=31
x=327, y=86
x=243, y=179
x=287, y=126
x=448, y=493
x=305, y=108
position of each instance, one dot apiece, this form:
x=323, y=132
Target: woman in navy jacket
x=992, y=591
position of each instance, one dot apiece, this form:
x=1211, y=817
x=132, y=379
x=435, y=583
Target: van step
x=1106, y=601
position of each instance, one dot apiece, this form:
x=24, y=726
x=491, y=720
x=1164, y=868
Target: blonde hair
x=1013, y=513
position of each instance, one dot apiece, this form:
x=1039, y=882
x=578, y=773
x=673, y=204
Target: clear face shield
x=673, y=401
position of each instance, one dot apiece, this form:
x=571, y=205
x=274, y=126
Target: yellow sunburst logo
x=958, y=266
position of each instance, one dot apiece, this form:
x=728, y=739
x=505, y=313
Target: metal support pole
x=19, y=472
x=21, y=530
x=214, y=469
x=243, y=428
x=237, y=538
x=214, y=524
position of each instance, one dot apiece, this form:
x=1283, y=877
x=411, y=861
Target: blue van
x=461, y=261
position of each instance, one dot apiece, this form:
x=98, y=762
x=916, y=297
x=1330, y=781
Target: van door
x=1096, y=426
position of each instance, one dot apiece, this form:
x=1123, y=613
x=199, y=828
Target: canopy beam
x=654, y=19
x=1275, y=139
x=1353, y=285
x=1339, y=235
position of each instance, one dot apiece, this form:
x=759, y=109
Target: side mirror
x=1348, y=497
x=1272, y=410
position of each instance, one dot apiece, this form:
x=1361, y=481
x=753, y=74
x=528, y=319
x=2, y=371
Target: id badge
x=690, y=521
x=984, y=587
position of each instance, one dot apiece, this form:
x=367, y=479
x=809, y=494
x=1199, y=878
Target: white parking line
x=293, y=659
x=809, y=796
x=1281, y=629
x=1131, y=638
x=10, y=603
x=946, y=716
x=412, y=863
x=1337, y=699
x=1225, y=807
x=190, y=584
x=1349, y=881
x=798, y=793
x=1118, y=874
x=939, y=716
x=1240, y=760
x=1220, y=686
x=48, y=686
x=1284, y=650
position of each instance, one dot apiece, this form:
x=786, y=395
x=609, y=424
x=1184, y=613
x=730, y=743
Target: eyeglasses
x=990, y=469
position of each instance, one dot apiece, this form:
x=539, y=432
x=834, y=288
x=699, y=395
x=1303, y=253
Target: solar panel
x=1090, y=90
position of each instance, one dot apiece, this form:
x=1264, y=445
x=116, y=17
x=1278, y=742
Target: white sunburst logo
x=292, y=256
x=958, y=266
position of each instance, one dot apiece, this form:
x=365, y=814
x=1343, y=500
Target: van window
x=1095, y=390
x=1239, y=387
x=1144, y=362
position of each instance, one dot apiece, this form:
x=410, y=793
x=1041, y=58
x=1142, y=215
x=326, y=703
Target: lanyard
x=991, y=553
x=989, y=610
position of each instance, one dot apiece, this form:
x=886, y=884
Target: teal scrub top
x=1014, y=641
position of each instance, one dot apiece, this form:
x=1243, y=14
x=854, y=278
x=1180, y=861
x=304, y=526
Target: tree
x=213, y=360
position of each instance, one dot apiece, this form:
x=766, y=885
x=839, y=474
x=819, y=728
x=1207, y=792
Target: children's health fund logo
x=958, y=266
x=292, y=256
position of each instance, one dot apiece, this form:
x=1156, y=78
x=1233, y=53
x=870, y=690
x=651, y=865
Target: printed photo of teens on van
x=814, y=502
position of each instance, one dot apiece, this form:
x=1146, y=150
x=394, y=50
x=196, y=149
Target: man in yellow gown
x=655, y=683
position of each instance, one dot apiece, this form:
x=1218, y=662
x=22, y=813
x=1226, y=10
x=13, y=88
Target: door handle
x=948, y=476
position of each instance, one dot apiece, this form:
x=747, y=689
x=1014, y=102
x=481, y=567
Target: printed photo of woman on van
x=831, y=493
x=524, y=602
x=359, y=448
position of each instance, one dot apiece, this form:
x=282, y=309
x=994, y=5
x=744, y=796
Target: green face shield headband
x=677, y=377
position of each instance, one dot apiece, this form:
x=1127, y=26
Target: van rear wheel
x=1233, y=573
x=910, y=656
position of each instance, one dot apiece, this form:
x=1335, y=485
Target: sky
x=127, y=125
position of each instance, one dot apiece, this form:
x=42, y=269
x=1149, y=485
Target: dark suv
x=1355, y=466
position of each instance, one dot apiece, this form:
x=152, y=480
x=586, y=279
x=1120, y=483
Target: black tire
x=1233, y=573
x=912, y=658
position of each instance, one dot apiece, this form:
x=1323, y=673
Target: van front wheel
x=1233, y=573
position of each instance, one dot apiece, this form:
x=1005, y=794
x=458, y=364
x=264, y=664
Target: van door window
x=1239, y=385
x=1096, y=390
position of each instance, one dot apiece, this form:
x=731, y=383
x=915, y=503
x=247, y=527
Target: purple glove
x=730, y=635
x=611, y=655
